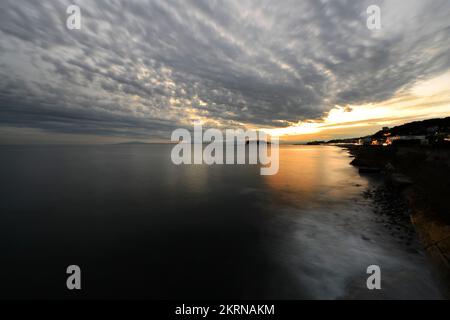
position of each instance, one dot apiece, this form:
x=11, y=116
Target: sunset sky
x=137, y=70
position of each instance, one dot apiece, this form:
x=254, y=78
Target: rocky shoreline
x=393, y=212
x=415, y=191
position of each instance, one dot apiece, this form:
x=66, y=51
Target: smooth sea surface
x=141, y=227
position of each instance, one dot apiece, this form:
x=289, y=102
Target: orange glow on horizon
x=427, y=99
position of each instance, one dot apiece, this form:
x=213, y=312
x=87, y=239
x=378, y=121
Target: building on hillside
x=407, y=140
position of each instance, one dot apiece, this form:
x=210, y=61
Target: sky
x=300, y=69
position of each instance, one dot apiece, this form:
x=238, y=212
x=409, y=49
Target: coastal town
x=432, y=132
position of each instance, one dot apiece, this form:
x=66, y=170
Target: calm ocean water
x=141, y=227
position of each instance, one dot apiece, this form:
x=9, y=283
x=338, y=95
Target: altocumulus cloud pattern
x=143, y=68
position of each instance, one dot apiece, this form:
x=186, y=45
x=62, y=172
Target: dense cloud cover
x=143, y=68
